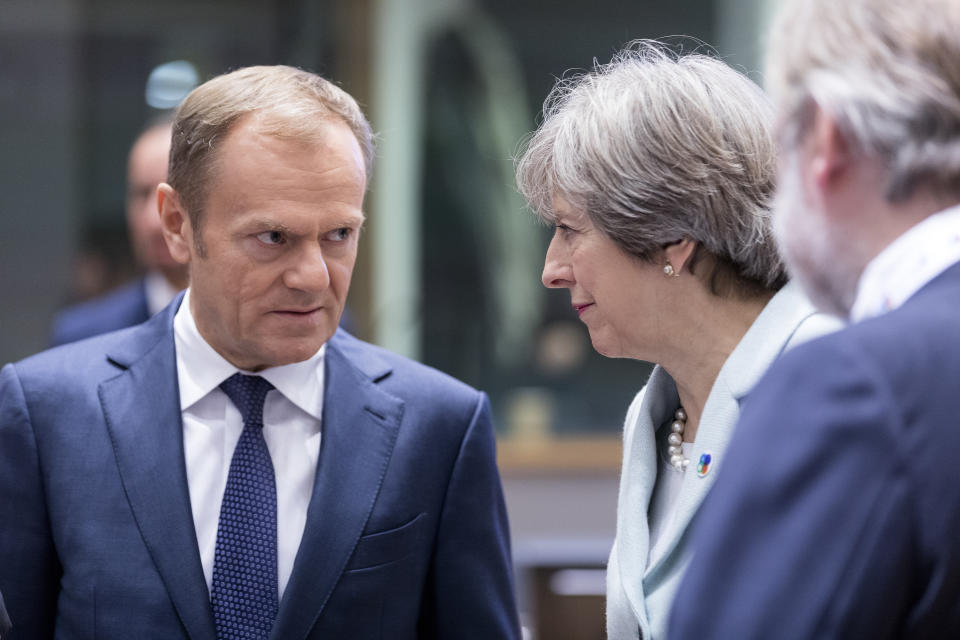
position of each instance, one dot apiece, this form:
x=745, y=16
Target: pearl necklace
x=677, y=460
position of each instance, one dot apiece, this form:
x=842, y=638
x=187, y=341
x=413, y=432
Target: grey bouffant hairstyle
x=656, y=147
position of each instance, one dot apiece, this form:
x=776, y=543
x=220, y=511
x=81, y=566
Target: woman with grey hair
x=657, y=171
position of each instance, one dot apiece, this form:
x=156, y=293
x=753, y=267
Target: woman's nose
x=557, y=272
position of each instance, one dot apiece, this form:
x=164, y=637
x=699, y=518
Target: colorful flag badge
x=703, y=467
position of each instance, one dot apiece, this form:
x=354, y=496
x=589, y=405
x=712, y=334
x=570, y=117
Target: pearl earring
x=670, y=271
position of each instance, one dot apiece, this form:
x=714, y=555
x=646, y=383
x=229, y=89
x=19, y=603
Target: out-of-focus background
x=450, y=261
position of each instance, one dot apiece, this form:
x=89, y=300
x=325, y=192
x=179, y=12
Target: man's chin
x=279, y=349
x=282, y=358
x=826, y=291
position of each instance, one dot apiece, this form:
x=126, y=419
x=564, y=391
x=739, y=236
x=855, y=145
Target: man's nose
x=309, y=271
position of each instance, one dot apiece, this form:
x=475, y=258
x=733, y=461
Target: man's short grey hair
x=657, y=147
x=288, y=103
x=886, y=71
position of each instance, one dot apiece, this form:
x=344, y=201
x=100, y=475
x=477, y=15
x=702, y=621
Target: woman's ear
x=679, y=253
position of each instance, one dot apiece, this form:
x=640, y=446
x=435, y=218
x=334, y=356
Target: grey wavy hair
x=888, y=73
x=288, y=103
x=659, y=146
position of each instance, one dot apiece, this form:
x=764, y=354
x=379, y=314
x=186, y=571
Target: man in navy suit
x=237, y=467
x=135, y=302
x=837, y=513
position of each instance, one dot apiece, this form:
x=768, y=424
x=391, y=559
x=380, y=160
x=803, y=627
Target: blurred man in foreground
x=237, y=467
x=164, y=278
x=4, y=619
x=837, y=513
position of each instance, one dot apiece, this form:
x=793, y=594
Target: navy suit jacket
x=124, y=307
x=4, y=618
x=837, y=514
x=406, y=533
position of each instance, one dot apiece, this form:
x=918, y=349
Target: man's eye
x=338, y=235
x=270, y=237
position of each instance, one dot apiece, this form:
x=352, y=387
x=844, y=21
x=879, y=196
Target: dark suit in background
x=118, y=309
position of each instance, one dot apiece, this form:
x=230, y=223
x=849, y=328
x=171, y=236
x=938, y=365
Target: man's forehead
x=296, y=138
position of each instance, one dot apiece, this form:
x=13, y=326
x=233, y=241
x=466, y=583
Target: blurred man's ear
x=828, y=151
x=175, y=223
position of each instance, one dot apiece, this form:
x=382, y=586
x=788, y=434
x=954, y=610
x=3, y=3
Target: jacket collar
x=142, y=413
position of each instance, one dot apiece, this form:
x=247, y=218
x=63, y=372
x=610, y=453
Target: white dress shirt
x=918, y=256
x=212, y=427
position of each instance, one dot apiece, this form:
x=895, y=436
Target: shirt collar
x=918, y=256
x=200, y=369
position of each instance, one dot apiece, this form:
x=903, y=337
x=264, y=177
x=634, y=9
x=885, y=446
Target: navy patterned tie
x=245, y=591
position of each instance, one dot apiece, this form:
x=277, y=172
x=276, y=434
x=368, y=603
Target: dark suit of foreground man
x=4, y=619
x=837, y=513
x=115, y=451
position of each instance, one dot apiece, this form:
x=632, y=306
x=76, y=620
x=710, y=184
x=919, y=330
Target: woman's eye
x=270, y=237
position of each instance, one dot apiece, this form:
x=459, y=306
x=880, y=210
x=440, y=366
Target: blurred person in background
x=237, y=467
x=656, y=171
x=164, y=277
x=837, y=514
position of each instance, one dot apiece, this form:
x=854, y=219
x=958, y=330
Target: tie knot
x=247, y=394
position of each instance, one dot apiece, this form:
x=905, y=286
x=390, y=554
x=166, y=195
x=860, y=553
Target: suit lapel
x=143, y=417
x=636, y=488
x=720, y=412
x=360, y=426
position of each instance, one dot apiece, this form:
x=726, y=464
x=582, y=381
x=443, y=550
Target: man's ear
x=678, y=254
x=828, y=151
x=175, y=223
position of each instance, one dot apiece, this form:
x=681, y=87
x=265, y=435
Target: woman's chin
x=606, y=347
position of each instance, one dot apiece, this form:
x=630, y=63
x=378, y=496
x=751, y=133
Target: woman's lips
x=580, y=308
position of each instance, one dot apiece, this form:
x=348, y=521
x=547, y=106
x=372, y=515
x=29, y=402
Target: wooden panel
x=560, y=454
x=566, y=616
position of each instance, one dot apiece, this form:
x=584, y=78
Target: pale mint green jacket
x=639, y=596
